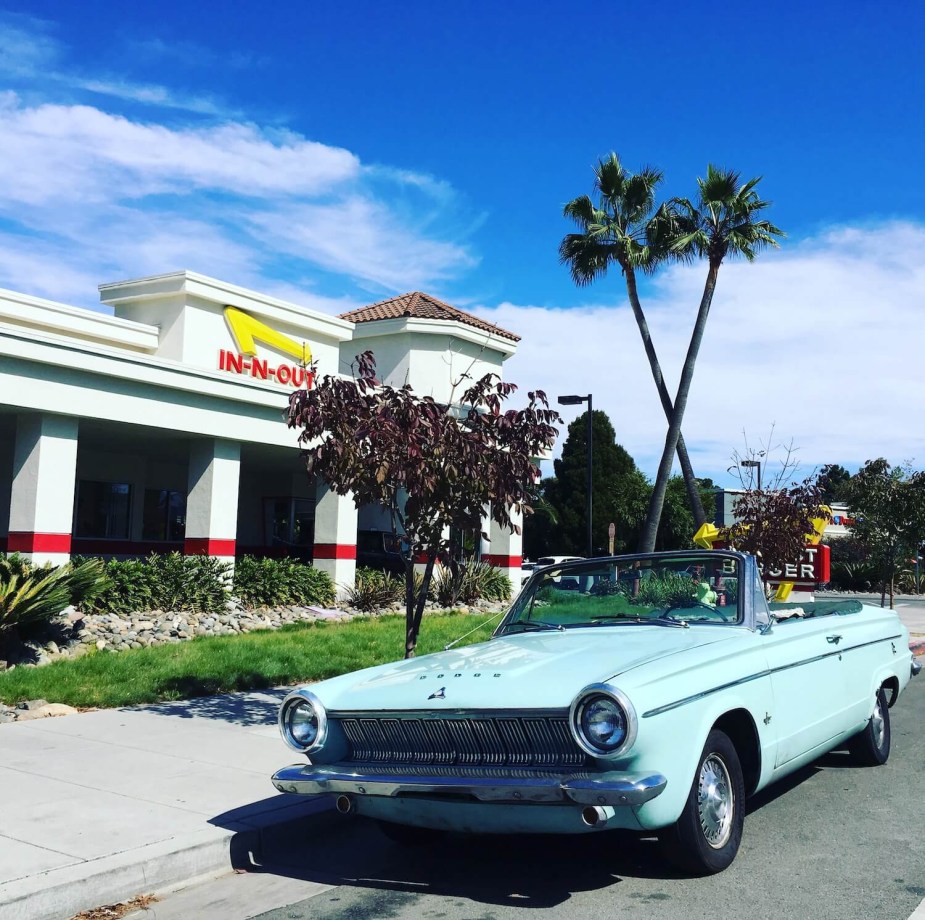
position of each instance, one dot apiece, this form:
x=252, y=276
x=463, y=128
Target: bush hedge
x=274, y=582
x=470, y=583
x=373, y=590
x=202, y=584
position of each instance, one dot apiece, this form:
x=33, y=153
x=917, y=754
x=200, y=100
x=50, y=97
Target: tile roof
x=422, y=306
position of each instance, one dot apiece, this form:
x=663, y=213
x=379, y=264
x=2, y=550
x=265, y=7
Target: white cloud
x=823, y=339
x=362, y=237
x=86, y=154
x=26, y=47
x=102, y=192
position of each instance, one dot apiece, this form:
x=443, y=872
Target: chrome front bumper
x=485, y=785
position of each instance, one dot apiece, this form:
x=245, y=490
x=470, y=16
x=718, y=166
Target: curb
x=63, y=892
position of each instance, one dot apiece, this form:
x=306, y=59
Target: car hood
x=528, y=670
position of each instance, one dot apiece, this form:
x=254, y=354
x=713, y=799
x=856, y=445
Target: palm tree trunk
x=656, y=503
x=687, y=471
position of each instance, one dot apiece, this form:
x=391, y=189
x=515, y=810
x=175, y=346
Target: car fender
x=896, y=673
x=673, y=742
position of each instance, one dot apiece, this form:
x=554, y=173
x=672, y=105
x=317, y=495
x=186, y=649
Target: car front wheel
x=706, y=838
x=871, y=746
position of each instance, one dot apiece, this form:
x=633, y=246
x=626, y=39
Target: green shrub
x=274, y=582
x=195, y=583
x=129, y=587
x=162, y=582
x=30, y=594
x=666, y=589
x=493, y=584
x=854, y=576
x=87, y=579
x=373, y=590
x=469, y=583
x=32, y=598
x=14, y=564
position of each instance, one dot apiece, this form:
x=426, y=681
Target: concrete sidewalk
x=99, y=807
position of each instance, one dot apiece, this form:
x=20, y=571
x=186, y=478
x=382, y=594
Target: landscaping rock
x=33, y=709
x=30, y=705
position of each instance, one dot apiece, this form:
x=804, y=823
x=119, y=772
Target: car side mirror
x=765, y=628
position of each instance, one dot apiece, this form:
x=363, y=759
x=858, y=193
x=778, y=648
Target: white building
x=161, y=427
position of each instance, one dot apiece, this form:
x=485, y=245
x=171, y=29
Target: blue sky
x=338, y=154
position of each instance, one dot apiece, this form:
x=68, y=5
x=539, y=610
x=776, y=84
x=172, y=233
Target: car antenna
x=446, y=648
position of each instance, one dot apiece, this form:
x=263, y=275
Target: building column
x=505, y=549
x=335, y=550
x=212, y=499
x=42, y=495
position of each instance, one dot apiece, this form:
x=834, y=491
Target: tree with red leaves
x=431, y=466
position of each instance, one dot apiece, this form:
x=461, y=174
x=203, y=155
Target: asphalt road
x=834, y=842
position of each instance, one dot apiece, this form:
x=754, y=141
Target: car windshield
x=671, y=589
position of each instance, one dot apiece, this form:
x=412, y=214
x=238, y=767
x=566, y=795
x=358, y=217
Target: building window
x=103, y=509
x=289, y=522
x=164, y=515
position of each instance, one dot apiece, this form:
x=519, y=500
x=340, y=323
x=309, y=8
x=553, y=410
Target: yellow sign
x=246, y=331
x=708, y=535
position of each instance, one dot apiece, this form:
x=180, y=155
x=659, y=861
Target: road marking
x=919, y=912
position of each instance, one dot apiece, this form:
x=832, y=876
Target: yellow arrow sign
x=246, y=331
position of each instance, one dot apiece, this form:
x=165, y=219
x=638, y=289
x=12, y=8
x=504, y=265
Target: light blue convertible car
x=651, y=692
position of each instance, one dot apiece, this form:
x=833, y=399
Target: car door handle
x=833, y=640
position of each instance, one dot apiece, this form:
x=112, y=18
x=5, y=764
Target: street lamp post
x=753, y=463
x=577, y=401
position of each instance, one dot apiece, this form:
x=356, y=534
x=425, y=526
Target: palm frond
x=612, y=222
x=580, y=210
x=725, y=218
x=586, y=258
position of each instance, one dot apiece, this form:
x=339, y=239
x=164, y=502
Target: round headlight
x=302, y=721
x=603, y=721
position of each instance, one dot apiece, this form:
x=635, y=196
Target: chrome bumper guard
x=916, y=666
x=485, y=786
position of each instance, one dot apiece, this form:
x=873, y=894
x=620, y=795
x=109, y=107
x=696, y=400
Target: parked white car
x=656, y=694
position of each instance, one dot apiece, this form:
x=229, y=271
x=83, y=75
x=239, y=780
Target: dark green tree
x=618, y=491
x=833, y=480
x=888, y=504
x=677, y=527
x=541, y=529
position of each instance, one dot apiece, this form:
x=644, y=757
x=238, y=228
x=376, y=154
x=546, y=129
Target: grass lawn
x=296, y=653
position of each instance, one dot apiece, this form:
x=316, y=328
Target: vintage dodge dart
x=653, y=692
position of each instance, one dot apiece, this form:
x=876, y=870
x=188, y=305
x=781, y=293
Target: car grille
x=477, y=740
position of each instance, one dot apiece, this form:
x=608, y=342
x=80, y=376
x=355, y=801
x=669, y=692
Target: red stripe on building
x=207, y=546
x=502, y=562
x=335, y=551
x=25, y=541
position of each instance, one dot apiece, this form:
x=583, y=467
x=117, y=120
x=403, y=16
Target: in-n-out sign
x=246, y=332
x=813, y=567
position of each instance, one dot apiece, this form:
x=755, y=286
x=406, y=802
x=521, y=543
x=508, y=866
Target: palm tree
x=621, y=228
x=722, y=223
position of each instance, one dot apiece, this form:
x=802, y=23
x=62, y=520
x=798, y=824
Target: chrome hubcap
x=716, y=802
x=876, y=724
